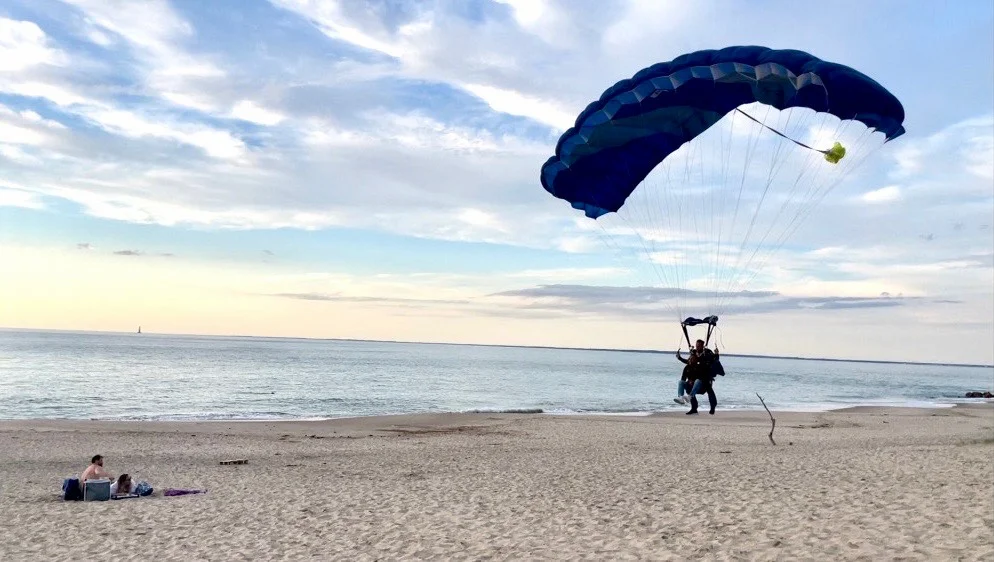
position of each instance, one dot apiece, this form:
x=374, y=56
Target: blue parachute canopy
x=618, y=139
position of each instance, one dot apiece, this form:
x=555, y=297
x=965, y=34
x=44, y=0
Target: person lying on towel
x=123, y=486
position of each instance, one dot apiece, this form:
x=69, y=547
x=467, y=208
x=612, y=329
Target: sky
x=371, y=170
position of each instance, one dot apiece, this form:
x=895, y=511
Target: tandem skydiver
x=698, y=376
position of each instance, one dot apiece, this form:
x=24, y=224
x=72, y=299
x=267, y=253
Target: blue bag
x=143, y=488
x=71, y=490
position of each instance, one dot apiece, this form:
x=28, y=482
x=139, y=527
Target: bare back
x=93, y=472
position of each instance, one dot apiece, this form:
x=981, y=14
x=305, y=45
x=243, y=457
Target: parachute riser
x=711, y=321
x=833, y=155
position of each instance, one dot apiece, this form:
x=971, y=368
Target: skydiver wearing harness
x=702, y=366
x=698, y=375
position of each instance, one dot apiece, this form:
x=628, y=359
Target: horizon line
x=519, y=346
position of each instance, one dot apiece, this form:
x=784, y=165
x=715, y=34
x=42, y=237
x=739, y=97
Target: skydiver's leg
x=681, y=388
x=693, y=404
x=693, y=397
x=697, y=387
x=712, y=399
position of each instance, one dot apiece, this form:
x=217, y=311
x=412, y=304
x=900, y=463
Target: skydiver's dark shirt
x=702, y=368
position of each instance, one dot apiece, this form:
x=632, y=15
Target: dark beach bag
x=71, y=490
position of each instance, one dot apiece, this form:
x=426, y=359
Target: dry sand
x=862, y=484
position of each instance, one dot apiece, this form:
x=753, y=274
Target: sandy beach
x=857, y=484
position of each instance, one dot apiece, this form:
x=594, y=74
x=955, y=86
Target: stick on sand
x=773, y=422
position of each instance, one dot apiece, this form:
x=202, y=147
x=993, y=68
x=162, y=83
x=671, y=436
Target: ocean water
x=67, y=375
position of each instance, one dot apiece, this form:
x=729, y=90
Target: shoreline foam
x=800, y=407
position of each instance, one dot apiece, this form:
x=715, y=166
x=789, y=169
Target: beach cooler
x=96, y=490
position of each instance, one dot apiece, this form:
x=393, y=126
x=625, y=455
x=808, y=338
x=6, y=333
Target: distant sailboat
x=139, y=329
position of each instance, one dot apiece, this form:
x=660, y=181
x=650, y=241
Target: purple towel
x=181, y=492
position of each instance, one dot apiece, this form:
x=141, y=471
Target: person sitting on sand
x=123, y=486
x=96, y=470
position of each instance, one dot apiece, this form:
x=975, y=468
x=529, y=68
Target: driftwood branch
x=773, y=422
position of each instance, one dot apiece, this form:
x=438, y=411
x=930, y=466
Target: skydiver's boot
x=693, y=404
x=712, y=400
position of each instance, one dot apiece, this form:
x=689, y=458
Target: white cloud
x=432, y=46
x=910, y=269
x=909, y=160
x=151, y=24
x=481, y=219
x=33, y=117
x=631, y=30
x=58, y=94
x=156, y=34
x=417, y=132
x=14, y=134
x=967, y=145
x=527, y=12
x=564, y=275
x=420, y=132
x=251, y=111
x=20, y=198
x=153, y=31
x=517, y=103
x=99, y=37
x=17, y=154
x=189, y=99
x=215, y=142
x=144, y=210
x=670, y=257
x=325, y=136
x=26, y=137
x=23, y=45
x=867, y=253
x=329, y=17
x=978, y=152
x=467, y=292
x=855, y=288
x=887, y=194
x=904, y=269
x=577, y=244
x=29, y=64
